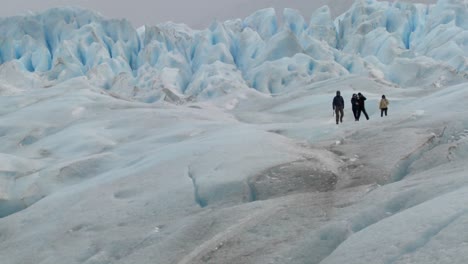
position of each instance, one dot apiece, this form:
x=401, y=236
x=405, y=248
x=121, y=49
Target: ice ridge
x=382, y=40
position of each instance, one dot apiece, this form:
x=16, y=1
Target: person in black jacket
x=338, y=106
x=362, y=106
x=355, y=106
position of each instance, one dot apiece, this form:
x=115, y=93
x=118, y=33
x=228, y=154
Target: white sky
x=197, y=14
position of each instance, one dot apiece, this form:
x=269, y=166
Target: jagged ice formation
x=378, y=39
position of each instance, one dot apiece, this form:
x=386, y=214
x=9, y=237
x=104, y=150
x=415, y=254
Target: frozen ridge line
x=401, y=43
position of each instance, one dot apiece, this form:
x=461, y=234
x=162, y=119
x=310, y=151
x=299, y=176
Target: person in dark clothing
x=338, y=106
x=362, y=106
x=355, y=106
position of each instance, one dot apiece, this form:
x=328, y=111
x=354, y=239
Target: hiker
x=383, y=106
x=355, y=106
x=338, y=106
x=362, y=106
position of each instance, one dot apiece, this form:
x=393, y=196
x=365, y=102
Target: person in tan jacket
x=383, y=106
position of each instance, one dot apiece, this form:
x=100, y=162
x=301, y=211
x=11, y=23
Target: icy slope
x=377, y=39
x=90, y=178
x=90, y=175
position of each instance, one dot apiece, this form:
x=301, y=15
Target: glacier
x=376, y=39
x=165, y=144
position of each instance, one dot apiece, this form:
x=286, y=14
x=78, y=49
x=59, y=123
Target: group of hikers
x=358, y=106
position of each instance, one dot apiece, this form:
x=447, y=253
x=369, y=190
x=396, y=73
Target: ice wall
x=402, y=43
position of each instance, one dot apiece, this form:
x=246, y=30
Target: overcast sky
x=195, y=13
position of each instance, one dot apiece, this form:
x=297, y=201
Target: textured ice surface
x=89, y=177
x=168, y=145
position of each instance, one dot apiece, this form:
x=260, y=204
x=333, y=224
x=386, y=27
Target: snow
x=171, y=145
